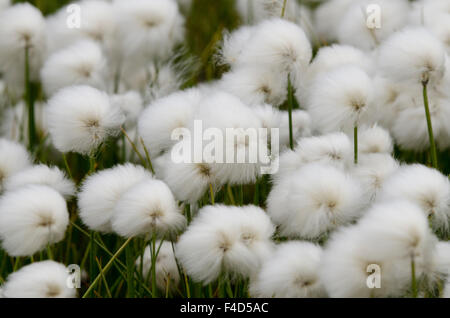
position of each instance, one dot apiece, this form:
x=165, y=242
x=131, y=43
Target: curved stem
x=355, y=143
x=290, y=104
x=433, y=152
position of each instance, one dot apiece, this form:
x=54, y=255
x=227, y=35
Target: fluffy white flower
x=82, y=63
x=81, y=118
x=98, y=23
x=21, y=26
x=341, y=99
x=374, y=139
x=147, y=208
x=372, y=171
x=385, y=240
x=131, y=104
x=424, y=186
x=329, y=58
x=101, y=191
x=225, y=239
x=44, y=175
x=413, y=55
x=159, y=120
x=233, y=45
x=30, y=218
x=291, y=272
x=410, y=129
x=4, y=4
x=13, y=158
x=166, y=265
x=354, y=29
x=149, y=28
x=279, y=44
x=332, y=149
x=188, y=181
x=46, y=279
x=328, y=16
x=315, y=199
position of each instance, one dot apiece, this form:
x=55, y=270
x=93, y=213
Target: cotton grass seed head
x=229, y=240
x=314, y=200
x=81, y=118
x=13, y=158
x=100, y=193
x=290, y=272
x=44, y=175
x=145, y=209
x=46, y=279
x=82, y=63
x=30, y=218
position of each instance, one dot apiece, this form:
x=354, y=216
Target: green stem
x=130, y=271
x=153, y=249
x=107, y=267
x=230, y=194
x=66, y=163
x=283, y=10
x=355, y=143
x=91, y=256
x=29, y=102
x=413, y=279
x=433, y=151
x=290, y=105
x=211, y=193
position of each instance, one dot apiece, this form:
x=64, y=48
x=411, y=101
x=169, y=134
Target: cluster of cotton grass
x=339, y=207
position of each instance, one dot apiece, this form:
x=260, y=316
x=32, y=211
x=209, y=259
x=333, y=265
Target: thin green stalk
x=290, y=105
x=211, y=193
x=413, y=278
x=107, y=267
x=355, y=143
x=147, y=155
x=283, y=10
x=433, y=152
x=103, y=278
x=92, y=256
x=49, y=252
x=153, y=250
x=29, y=102
x=130, y=271
x=66, y=163
x=230, y=194
x=92, y=164
x=134, y=147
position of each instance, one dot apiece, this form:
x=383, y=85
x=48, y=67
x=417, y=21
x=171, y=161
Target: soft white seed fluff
x=256, y=85
x=101, y=191
x=332, y=149
x=279, y=44
x=328, y=58
x=290, y=272
x=442, y=258
x=147, y=208
x=394, y=231
x=46, y=279
x=225, y=239
x=410, y=129
x=82, y=63
x=301, y=126
x=149, y=28
x=413, y=55
x=372, y=171
x=4, y=4
x=44, y=175
x=166, y=265
x=159, y=120
x=314, y=200
x=188, y=181
x=374, y=139
x=21, y=25
x=30, y=218
x=240, y=160
x=424, y=186
x=81, y=118
x=341, y=99
x=354, y=27
x=328, y=16
x=233, y=45
x=131, y=104
x=13, y=158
